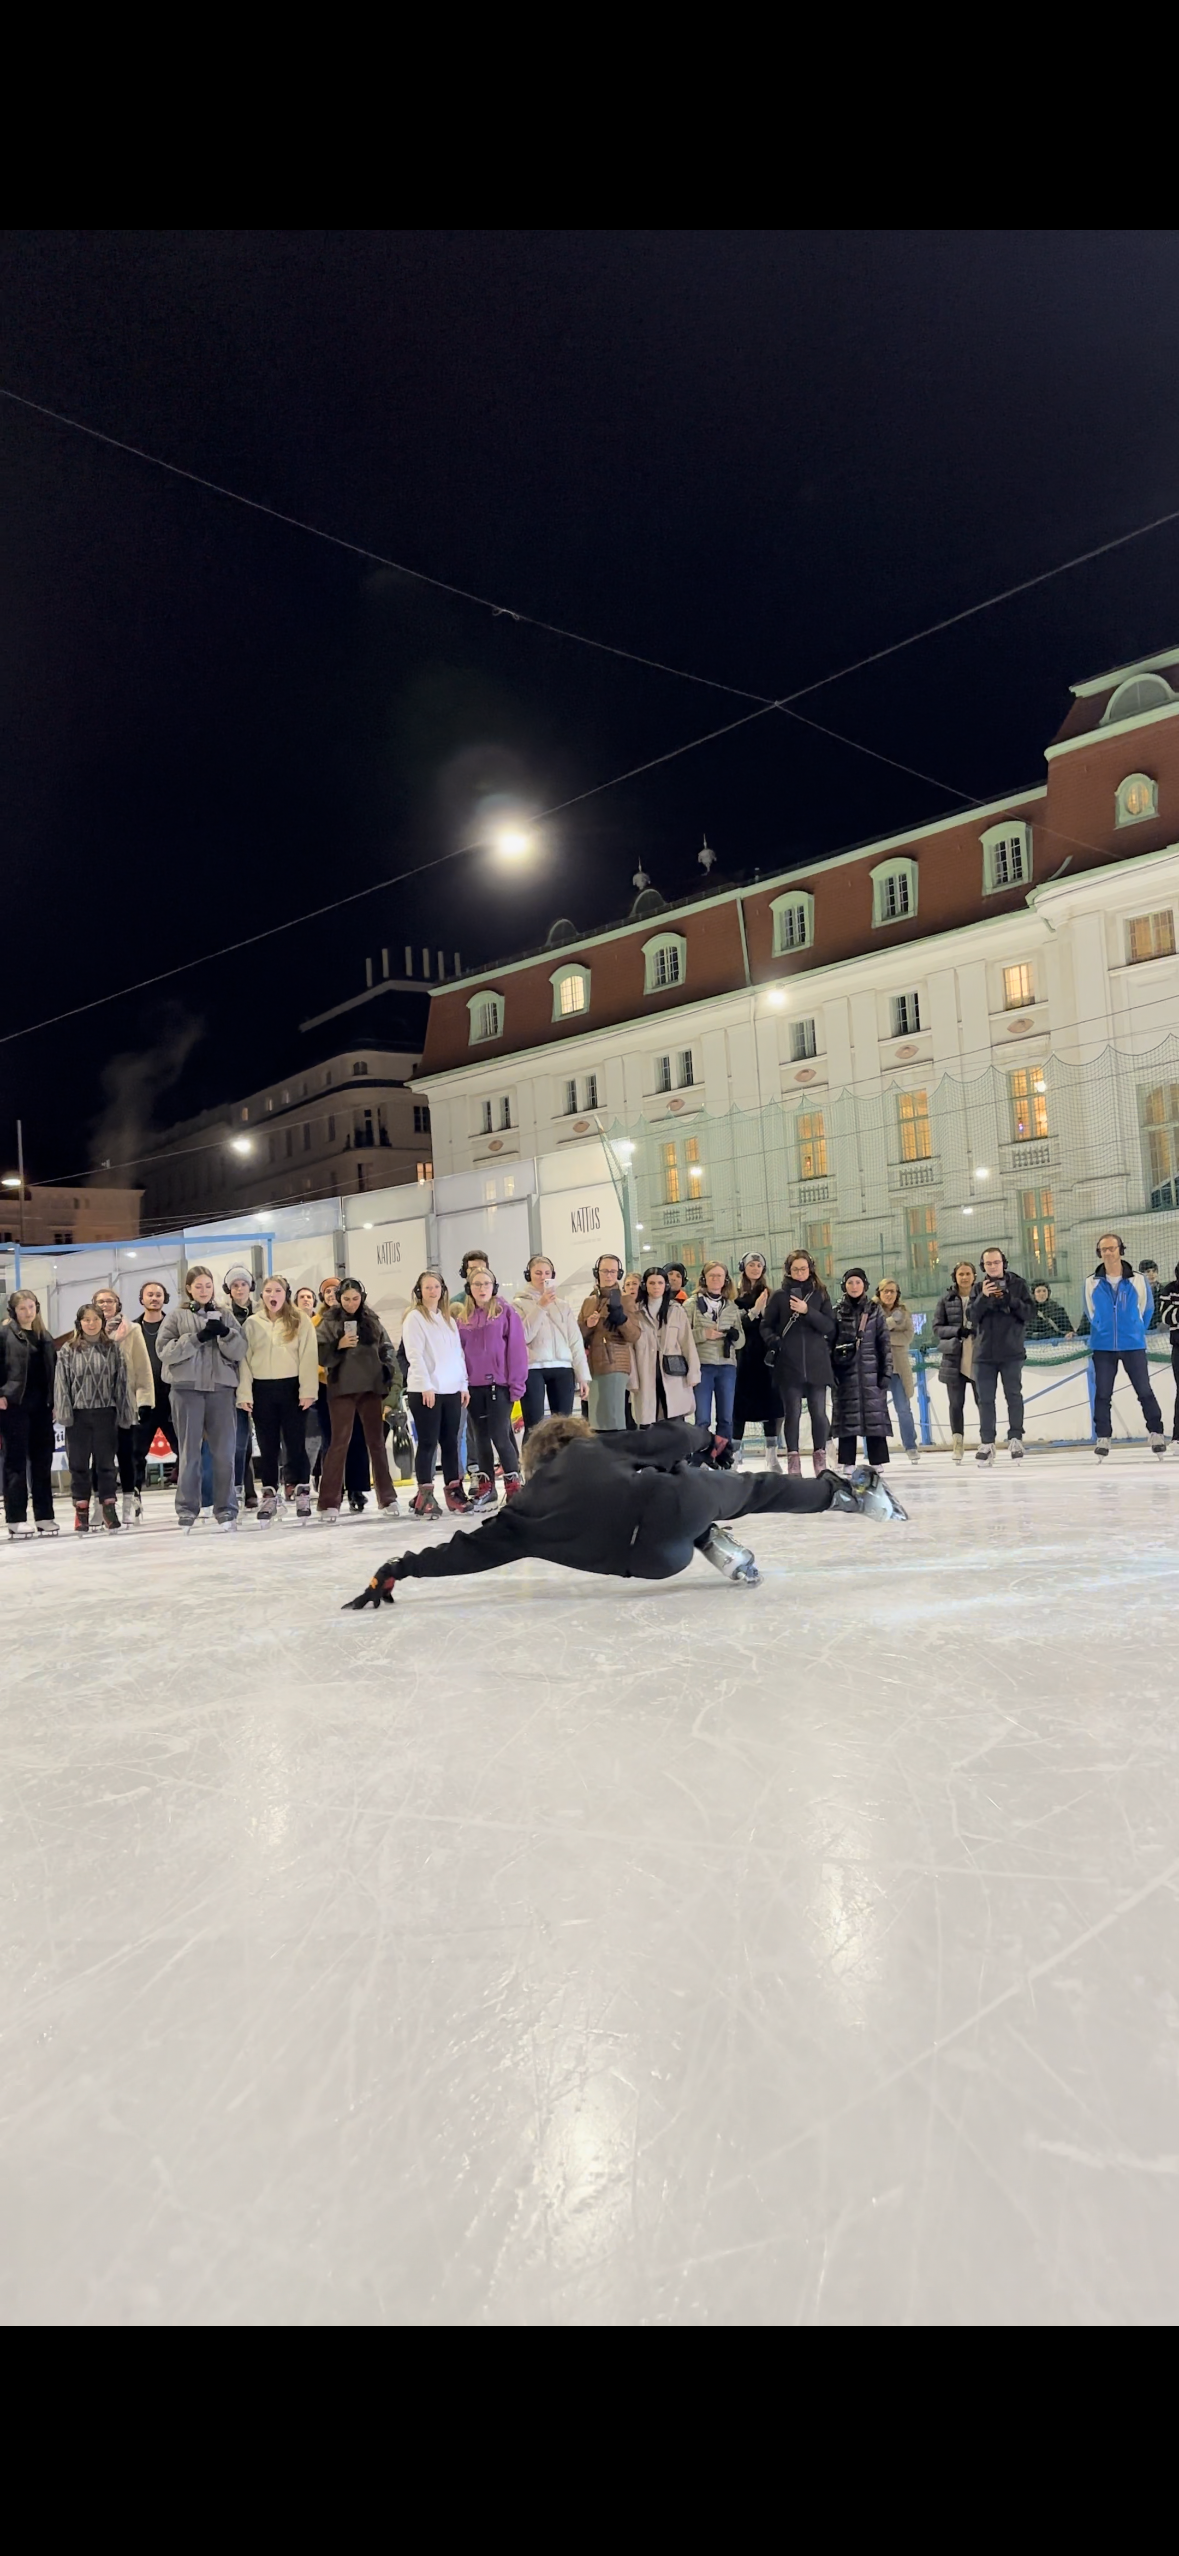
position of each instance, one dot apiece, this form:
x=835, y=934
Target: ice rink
x=567, y=1952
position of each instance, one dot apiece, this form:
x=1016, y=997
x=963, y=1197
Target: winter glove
x=615, y=1309
x=215, y=1330
x=378, y=1593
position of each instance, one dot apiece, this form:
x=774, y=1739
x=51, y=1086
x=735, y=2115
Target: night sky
x=758, y=456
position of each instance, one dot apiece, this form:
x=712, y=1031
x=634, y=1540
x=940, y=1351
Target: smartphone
x=349, y=1331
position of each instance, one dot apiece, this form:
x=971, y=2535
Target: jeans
x=904, y=1411
x=200, y=1416
x=489, y=1415
x=345, y=1408
x=431, y=1423
x=557, y=1383
x=815, y=1398
x=721, y=1383
x=277, y=1417
x=986, y=1385
x=91, y=1441
x=28, y=1448
x=1137, y=1366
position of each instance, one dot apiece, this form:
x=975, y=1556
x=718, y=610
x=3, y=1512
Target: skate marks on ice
x=548, y=1951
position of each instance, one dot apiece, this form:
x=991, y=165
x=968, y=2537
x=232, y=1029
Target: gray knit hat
x=232, y=1275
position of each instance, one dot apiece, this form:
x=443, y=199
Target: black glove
x=378, y=1593
x=215, y=1329
x=615, y=1309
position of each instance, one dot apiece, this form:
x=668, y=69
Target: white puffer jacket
x=552, y=1334
x=434, y=1348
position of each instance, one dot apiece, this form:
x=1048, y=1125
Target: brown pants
x=366, y=1407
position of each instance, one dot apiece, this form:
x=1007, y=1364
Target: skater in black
x=92, y=1399
x=862, y=1359
x=756, y=1396
x=606, y=1506
x=797, y=1330
x=27, y=1363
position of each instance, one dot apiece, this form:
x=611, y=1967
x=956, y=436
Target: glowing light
x=968, y=1211
x=981, y=1172
x=778, y=999
x=241, y=1145
x=512, y=842
x=625, y=1150
x=366, y=1229
x=11, y=1180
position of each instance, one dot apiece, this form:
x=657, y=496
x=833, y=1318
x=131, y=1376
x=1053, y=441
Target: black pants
x=986, y=1386
x=558, y=1383
x=1137, y=1366
x=815, y=1398
x=149, y=1421
x=489, y=1426
x=91, y=1442
x=28, y=1442
x=877, y=1450
x=127, y=1459
x=440, y=1422
x=1175, y=1373
x=277, y=1417
x=957, y=1388
x=676, y=1511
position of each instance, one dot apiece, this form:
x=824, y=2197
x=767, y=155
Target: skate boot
x=81, y=1517
x=128, y=1508
x=456, y=1499
x=329, y=1517
x=1158, y=1444
x=957, y=1448
x=227, y=1526
x=793, y=1461
x=483, y=1492
x=913, y=1455
x=1101, y=1446
x=867, y=1496
x=267, y=1506
x=1015, y=1449
x=734, y=1560
x=48, y=1526
x=737, y=1456
x=513, y=1482
x=19, y=1533
x=110, y=1515
x=423, y=1503
x=303, y=1500
x=819, y=1459
x=773, y=1458
x=356, y=1502
x=390, y=1508
x=984, y=1455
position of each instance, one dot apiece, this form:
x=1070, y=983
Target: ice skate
x=734, y=1560
x=81, y=1517
x=512, y=1483
x=1158, y=1444
x=110, y=1516
x=356, y=1502
x=456, y=1499
x=128, y=1508
x=267, y=1507
x=329, y=1517
x=48, y=1526
x=957, y=1448
x=227, y=1526
x=794, y=1461
x=390, y=1508
x=866, y=1495
x=423, y=1503
x=303, y=1501
x=913, y=1455
x=1015, y=1449
x=1101, y=1447
x=483, y=1492
x=984, y=1455
x=773, y=1459
x=21, y=1534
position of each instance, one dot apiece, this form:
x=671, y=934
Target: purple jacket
x=495, y=1348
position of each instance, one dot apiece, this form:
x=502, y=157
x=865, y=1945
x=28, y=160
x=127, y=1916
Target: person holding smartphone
x=998, y=1313
x=357, y=1357
x=202, y=1357
x=557, y=1366
x=609, y=1328
x=143, y=1393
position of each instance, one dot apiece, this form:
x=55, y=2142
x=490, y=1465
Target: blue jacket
x=1119, y=1317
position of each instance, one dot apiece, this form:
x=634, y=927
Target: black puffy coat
x=799, y=1343
x=863, y=1363
x=1166, y=1305
x=16, y=1349
x=755, y=1397
x=949, y=1322
x=1000, y=1323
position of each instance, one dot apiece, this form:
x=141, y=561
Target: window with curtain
x=1029, y=1103
x=916, y=1132
x=671, y=1176
x=812, y=1145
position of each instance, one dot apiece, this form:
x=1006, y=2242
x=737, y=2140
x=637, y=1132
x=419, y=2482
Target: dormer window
x=486, y=1016
x=571, y=991
x=894, y=892
x=665, y=961
x=1138, y=696
x=794, y=922
x=1007, y=857
x=1138, y=797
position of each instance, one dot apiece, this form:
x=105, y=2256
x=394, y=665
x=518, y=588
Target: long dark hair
x=666, y=1298
x=812, y=1278
x=749, y=1289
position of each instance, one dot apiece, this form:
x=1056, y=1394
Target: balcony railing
x=1030, y=1154
x=926, y=1173
x=813, y=1193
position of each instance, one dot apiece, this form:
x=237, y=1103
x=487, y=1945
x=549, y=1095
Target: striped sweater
x=92, y=1376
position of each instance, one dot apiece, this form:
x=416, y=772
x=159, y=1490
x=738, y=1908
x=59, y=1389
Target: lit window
x=916, y=1133
x=591, y=1091
x=245, y=1114
x=486, y=1015
x=921, y=1236
x=803, y=1042
x=812, y=1146
x=1029, y=1103
x=1138, y=797
x=894, y=891
x=906, y=1015
x=663, y=1073
x=665, y=961
x=1017, y=988
x=1038, y=1213
x=571, y=991
x=671, y=1176
x=1160, y=1116
x=1151, y=936
x=1007, y=857
x=686, y=1075
x=794, y=921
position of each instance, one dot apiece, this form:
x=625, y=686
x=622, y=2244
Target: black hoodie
x=591, y=1508
x=1000, y=1322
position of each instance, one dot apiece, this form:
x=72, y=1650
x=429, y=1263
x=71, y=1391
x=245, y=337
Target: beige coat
x=900, y=1332
x=269, y=1354
x=139, y=1374
x=672, y=1339
x=607, y=1345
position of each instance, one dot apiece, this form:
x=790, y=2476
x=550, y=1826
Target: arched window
x=1135, y=697
x=665, y=960
x=487, y=1016
x=1007, y=857
x=571, y=991
x=794, y=921
x=1138, y=797
x=894, y=892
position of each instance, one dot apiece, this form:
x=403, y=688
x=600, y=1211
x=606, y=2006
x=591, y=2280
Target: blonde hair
x=198, y=1270
x=444, y=1304
x=727, y=1291
x=900, y=1305
x=494, y=1304
x=288, y=1314
x=25, y=1296
x=562, y=1429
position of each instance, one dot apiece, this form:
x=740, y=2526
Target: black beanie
x=853, y=1273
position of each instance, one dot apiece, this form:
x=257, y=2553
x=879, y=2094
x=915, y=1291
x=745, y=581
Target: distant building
x=80, y=1215
x=349, y=1124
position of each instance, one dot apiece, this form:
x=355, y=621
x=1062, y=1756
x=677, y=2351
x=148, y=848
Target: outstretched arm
x=486, y=1548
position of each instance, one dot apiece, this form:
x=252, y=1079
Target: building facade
x=963, y=1034
x=347, y=1125
x=81, y=1215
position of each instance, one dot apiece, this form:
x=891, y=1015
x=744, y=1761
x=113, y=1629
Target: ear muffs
x=620, y=1265
x=156, y=1282
x=539, y=1255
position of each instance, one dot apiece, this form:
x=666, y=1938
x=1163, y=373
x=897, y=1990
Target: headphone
x=156, y=1282
x=530, y=1265
x=619, y=1264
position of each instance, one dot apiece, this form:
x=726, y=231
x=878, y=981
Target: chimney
x=368, y=971
x=441, y=965
x=384, y=962
x=408, y=960
x=458, y=965
x=425, y=962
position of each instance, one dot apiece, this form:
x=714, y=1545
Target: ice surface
x=556, y=1951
